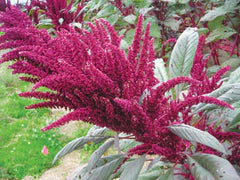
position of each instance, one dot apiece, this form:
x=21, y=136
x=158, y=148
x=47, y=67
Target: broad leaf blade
x=220, y=33
x=229, y=93
x=133, y=169
x=96, y=155
x=160, y=71
x=105, y=171
x=183, y=54
x=77, y=144
x=97, y=131
x=212, y=14
x=196, y=135
x=208, y=166
x=235, y=124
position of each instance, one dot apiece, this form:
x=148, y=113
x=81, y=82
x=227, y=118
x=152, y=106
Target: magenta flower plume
x=199, y=72
x=84, y=71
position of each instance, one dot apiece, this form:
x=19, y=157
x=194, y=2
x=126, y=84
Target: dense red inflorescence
x=88, y=73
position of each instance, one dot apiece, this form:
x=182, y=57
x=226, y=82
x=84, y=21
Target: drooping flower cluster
x=88, y=73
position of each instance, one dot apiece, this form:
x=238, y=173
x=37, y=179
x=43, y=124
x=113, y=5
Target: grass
x=21, y=140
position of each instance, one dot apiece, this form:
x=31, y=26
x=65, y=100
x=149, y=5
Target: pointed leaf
x=235, y=124
x=77, y=144
x=168, y=175
x=234, y=77
x=97, y=131
x=120, y=170
x=96, y=155
x=81, y=172
x=130, y=19
x=229, y=93
x=212, y=14
x=133, y=169
x=182, y=56
x=196, y=135
x=105, y=171
x=209, y=166
x=151, y=175
x=220, y=33
x=160, y=71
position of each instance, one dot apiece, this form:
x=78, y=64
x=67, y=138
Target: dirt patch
x=67, y=165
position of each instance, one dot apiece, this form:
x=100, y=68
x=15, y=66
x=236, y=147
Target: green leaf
x=95, y=135
x=119, y=172
x=113, y=19
x=107, y=10
x=133, y=169
x=234, y=76
x=154, y=30
x=168, y=175
x=216, y=23
x=127, y=2
x=129, y=36
x=172, y=23
x=105, y=171
x=212, y=14
x=82, y=171
x=77, y=144
x=124, y=44
x=130, y=19
x=211, y=167
x=96, y=155
x=97, y=131
x=182, y=56
x=126, y=144
x=235, y=64
x=234, y=126
x=191, y=133
x=151, y=175
x=229, y=93
x=203, y=30
x=220, y=33
x=160, y=71
x=154, y=170
x=231, y=4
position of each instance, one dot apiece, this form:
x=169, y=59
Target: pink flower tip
x=45, y=150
